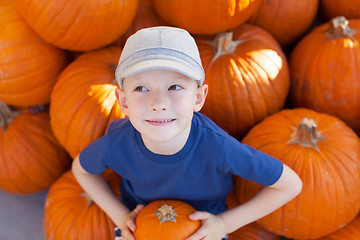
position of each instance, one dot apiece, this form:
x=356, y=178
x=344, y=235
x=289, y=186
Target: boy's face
x=160, y=104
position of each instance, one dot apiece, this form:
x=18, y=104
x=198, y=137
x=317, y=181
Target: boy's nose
x=159, y=103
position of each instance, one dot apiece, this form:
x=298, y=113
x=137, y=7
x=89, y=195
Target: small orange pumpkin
x=164, y=220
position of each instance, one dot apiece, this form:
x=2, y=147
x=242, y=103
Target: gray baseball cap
x=160, y=48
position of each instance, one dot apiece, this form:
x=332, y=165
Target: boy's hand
x=128, y=225
x=212, y=227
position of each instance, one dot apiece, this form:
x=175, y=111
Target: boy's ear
x=201, y=93
x=121, y=99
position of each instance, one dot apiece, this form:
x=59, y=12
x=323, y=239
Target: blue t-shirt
x=200, y=173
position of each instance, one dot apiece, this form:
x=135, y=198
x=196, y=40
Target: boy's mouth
x=160, y=122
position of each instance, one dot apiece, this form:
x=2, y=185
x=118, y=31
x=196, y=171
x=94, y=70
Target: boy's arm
x=100, y=192
x=269, y=199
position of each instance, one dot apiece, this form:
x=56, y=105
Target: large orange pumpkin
x=78, y=25
x=31, y=158
x=83, y=101
x=71, y=214
x=206, y=16
x=285, y=20
x=164, y=220
x=325, y=153
x=325, y=71
x=350, y=231
x=248, y=78
x=29, y=67
x=334, y=8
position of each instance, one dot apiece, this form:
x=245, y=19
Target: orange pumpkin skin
x=83, y=101
x=78, y=25
x=324, y=71
x=145, y=17
x=253, y=231
x=330, y=173
x=29, y=67
x=148, y=226
x=248, y=78
x=350, y=231
x=206, y=16
x=70, y=213
x=285, y=20
x=334, y=8
x=31, y=158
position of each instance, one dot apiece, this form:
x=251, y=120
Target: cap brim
x=160, y=64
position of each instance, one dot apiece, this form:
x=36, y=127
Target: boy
x=166, y=149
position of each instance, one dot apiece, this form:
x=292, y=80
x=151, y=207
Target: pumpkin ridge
x=39, y=17
x=72, y=24
x=30, y=71
x=81, y=85
x=233, y=95
x=253, y=64
x=31, y=137
x=241, y=68
x=78, y=114
x=86, y=31
x=335, y=155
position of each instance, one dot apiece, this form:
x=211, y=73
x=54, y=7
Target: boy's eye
x=175, y=87
x=140, y=89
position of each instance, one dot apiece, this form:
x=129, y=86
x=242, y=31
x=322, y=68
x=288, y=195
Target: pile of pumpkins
x=282, y=78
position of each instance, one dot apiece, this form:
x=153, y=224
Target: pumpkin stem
x=339, y=28
x=306, y=134
x=224, y=44
x=6, y=115
x=166, y=213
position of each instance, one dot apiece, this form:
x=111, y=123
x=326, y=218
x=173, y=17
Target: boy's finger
x=199, y=215
x=138, y=208
x=199, y=234
x=131, y=225
x=127, y=235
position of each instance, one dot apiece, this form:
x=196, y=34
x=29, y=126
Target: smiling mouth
x=160, y=121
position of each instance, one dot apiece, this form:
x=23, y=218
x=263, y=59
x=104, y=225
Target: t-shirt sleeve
x=249, y=163
x=93, y=157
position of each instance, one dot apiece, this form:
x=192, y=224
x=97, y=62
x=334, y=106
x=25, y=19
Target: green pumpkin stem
x=6, y=115
x=339, y=28
x=306, y=134
x=166, y=213
x=224, y=44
